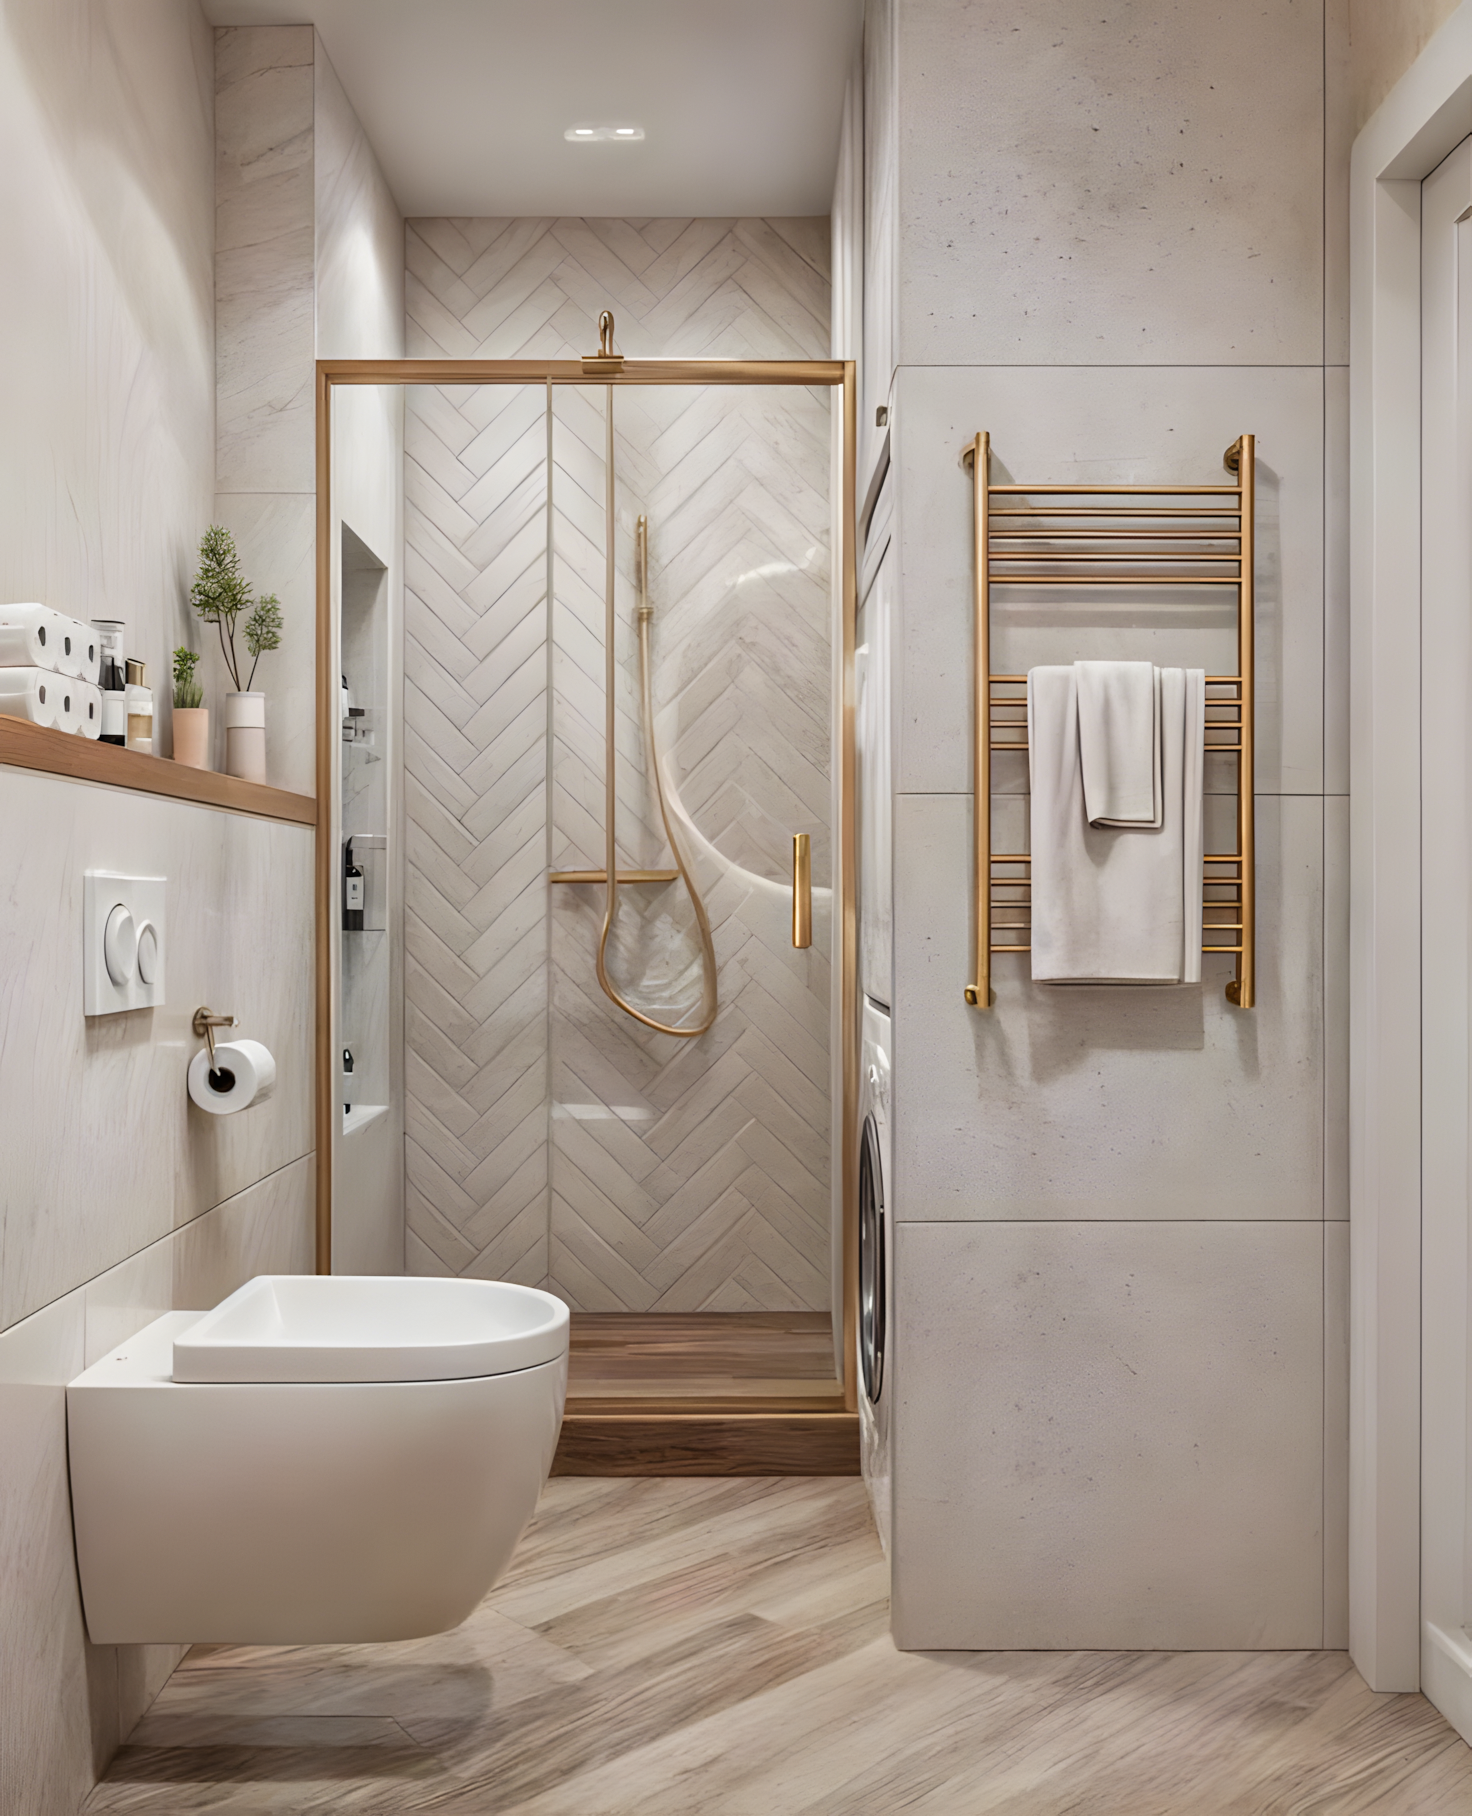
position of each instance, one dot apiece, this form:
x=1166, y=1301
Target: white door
x=1446, y=929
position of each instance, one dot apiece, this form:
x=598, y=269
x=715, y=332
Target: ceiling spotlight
x=588, y=135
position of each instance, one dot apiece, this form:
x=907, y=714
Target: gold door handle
x=802, y=891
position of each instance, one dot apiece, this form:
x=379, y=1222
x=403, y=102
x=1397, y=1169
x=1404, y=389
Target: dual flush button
x=124, y=943
x=130, y=950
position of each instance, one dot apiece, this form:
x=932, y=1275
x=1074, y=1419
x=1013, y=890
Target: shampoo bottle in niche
x=347, y=1081
x=140, y=708
x=352, y=892
x=112, y=680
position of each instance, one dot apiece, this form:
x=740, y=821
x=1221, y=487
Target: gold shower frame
x=606, y=370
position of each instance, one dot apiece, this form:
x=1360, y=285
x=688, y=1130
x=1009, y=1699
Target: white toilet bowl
x=320, y=1459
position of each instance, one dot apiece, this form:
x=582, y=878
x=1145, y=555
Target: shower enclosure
x=625, y=755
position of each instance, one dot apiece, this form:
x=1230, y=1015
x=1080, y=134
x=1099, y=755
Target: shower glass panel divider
x=606, y=375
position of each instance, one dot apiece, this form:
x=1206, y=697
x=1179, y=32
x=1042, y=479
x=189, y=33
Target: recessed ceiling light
x=586, y=135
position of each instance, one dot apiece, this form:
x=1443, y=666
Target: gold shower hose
x=644, y=612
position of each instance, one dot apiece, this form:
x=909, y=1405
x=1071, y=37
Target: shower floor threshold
x=705, y=1393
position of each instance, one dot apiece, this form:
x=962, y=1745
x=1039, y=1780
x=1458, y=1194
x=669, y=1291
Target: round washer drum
x=872, y=1283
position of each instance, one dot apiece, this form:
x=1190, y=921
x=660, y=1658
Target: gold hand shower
x=643, y=615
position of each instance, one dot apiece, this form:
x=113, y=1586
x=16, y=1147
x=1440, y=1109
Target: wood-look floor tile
x=681, y=1646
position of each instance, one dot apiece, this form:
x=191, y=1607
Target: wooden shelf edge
x=60, y=753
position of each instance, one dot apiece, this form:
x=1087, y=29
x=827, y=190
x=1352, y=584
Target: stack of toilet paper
x=48, y=669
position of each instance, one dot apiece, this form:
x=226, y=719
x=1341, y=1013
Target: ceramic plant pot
x=192, y=736
x=245, y=736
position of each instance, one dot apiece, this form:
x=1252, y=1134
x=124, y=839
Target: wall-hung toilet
x=322, y=1458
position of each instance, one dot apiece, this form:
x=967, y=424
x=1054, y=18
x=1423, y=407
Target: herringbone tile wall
x=551, y=1138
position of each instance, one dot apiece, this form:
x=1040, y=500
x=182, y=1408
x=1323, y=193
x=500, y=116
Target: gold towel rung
x=1012, y=527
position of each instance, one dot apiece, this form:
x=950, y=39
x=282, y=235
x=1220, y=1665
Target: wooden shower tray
x=706, y=1393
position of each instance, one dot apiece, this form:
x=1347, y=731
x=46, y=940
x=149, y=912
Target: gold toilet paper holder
x=204, y=1025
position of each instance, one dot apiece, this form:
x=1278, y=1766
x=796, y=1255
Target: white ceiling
x=466, y=101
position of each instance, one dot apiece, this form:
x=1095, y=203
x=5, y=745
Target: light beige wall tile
x=276, y=536
x=1336, y=580
x=107, y=314
x=1107, y=426
x=1109, y=1436
x=1340, y=127
x=1111, y=1102
x=1336, y=1434
x=1336, y=1007
x=266, y=1229
x=104, y=1152
x=58, y=1695
x=1135, y=185
x=1385, y=38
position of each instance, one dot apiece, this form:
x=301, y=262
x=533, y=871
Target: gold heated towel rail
x=1083, y=537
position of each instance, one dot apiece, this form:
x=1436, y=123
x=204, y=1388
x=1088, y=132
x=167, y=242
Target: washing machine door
x=873, y=1285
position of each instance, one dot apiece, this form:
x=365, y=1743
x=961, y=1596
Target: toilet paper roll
x=32, y=636
x=81, y=649
x=244, y=1073
x=69, y=708
x=90, y=710
x=34, y=694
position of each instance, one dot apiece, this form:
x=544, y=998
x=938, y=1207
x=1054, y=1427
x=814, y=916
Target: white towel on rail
x=1115, y=904
x=1119, y=742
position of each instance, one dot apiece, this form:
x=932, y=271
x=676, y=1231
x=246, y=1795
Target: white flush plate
x=124, y=946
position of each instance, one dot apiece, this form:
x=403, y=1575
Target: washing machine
x=872, y=747
x=876, y=1265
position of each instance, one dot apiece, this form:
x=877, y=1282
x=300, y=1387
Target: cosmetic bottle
x=347, y=1081
x=111, y=680
x=352, y=892
x=140, y=708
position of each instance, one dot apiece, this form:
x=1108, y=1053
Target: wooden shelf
x=60, y=753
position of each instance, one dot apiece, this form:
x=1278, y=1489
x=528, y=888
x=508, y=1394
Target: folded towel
x=1112, y=903
x=1119, y=741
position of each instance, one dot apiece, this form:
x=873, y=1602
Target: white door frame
x=1426, y=115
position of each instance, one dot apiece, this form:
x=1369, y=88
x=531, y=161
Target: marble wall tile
x=121, y=1301
x=107, y=312
x=359, y=233
x=65, y=1705
x=1135, y=185
x=264, y=254
x=276, y=535
x=1107, y=426
x=1107, y=1103
x=1111, y=1434
x=58, y=1695
x=266, y=1229
x=104, y=1152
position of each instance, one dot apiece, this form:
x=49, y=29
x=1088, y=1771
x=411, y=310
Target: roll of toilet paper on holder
x=243, y=1073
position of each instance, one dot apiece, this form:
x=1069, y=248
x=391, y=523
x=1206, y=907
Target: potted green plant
x=221, y=595
x=191, y=715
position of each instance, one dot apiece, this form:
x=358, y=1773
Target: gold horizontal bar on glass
x=601, y=876
x=802, y=891
x=1001, y=548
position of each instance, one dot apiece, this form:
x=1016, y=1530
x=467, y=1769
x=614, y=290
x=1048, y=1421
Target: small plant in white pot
x=221, y=594
x=191, y=715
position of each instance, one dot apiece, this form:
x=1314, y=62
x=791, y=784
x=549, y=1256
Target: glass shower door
x=691, y=1173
